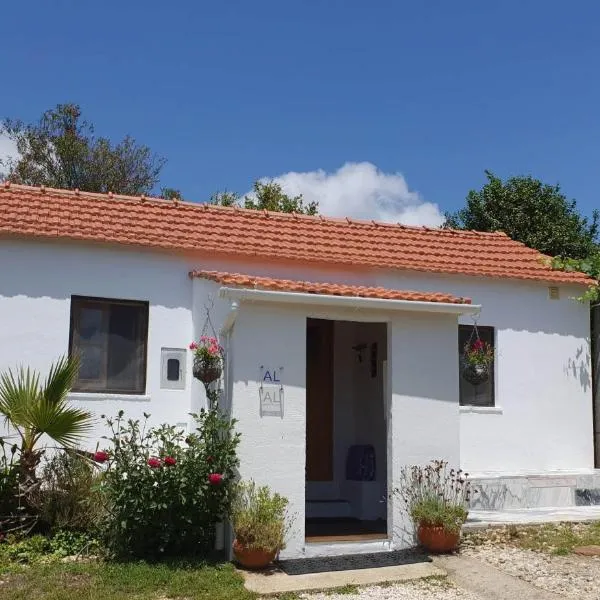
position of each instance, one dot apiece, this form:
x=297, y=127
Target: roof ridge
x=262, y=214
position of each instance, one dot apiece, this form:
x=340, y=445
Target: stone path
x=488, y=582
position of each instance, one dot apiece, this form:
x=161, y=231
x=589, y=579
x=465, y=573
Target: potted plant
x=259, y=524
x=437, y=500
x=477, y=359
x=208, y=359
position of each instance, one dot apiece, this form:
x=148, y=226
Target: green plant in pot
x=437, y=500
x=260, y=524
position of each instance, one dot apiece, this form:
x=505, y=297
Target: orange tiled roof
x=187, y=226
x=329, y=289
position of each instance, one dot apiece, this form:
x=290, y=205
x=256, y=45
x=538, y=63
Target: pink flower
x=215, y=478
x=169, y=461
x=193, y=346
x=153, y=462
x=100, y=456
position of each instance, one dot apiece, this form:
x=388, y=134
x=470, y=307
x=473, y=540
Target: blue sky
x=232, y=91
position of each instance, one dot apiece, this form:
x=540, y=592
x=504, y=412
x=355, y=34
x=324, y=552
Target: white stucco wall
x=37, y=281
x=543, y=415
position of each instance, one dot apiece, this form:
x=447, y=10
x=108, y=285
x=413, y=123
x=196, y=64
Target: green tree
x=61, y=151
x=531, y=212
x=171, y=193
x=33, y=410
x=267, y=195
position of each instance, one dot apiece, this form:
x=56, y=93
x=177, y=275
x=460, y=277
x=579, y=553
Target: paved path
x=277, y=582
x=489, y=583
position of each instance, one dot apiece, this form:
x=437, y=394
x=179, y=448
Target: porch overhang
x=238, y=295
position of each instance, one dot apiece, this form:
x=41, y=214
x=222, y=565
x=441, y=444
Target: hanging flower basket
x=208, y=359
x=206, y=373
x=475, y=374
x=477, y=360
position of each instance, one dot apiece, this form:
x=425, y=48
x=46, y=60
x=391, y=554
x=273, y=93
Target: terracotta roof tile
x=329, y=289
x=188, y=226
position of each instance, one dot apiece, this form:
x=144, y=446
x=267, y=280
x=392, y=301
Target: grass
x=559, y=538
x=123, y=581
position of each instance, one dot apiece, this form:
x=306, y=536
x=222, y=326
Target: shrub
x=9, y=481
x=69, y=496
x=259, y=517
x=435, y=495
x=165, y=491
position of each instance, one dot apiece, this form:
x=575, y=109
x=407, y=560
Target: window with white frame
x=483, y=393
x=110, y=337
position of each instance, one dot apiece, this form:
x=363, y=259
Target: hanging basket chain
x=211, y=374
x=475, y=373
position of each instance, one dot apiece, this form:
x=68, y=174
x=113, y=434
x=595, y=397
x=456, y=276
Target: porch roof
x=287, y=290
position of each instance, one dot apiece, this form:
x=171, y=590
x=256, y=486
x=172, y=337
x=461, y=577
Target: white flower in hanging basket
x=208, y=359
x=477, y=359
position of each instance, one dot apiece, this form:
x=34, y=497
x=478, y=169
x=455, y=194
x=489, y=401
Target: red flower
x=169, y=461
x=193, y=346
x=215, y=478
x=100, y=456
x=153, y=462
x=478, y=345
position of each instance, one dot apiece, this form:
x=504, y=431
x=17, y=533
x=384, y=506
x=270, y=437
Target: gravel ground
x=431, y=589
x=572, y=576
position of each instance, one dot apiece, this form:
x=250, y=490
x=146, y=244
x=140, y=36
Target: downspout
x=595, y=330
x=226, y=331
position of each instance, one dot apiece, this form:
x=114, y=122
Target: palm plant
x=33, y=409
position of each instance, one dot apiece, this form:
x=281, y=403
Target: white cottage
x=342, y=340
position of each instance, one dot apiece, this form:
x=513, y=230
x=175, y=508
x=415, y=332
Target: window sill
x=482, y=410
x=95, y=396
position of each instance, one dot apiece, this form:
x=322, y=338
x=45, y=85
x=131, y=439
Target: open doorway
x=346, y=431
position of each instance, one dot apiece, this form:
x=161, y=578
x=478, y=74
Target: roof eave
x=255, y=295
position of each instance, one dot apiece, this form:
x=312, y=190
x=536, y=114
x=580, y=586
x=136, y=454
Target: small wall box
x=172, y=368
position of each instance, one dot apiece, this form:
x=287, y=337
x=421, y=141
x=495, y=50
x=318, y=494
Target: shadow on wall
x=57, y=271
x=579, y=367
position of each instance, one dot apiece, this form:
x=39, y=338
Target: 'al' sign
x=271, y=376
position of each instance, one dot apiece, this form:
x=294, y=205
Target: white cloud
x=362, y=191
x=8, y=149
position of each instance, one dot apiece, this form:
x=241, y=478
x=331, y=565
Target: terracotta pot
x=437, y=539
x=206, y=374
x=252, y=559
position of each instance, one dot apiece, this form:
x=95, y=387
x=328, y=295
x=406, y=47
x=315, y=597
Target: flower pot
x=251, y=558
x=206, y=373
x=475, y=374
x=438, y=540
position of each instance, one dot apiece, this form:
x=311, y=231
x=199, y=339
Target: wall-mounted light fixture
x=359, y=349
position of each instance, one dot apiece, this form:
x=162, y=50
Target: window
x=110, y=337
x=482, y=394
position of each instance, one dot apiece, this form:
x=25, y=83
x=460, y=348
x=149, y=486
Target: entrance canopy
x=239, y=287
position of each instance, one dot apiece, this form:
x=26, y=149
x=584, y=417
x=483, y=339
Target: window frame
x=483, y=329
x=77, y=302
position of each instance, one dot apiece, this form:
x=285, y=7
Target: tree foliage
x=61, y=151
x=531, y=212
x=267, y=195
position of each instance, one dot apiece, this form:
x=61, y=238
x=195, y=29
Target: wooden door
x=319, y=400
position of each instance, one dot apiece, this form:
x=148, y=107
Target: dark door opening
x=346, y=431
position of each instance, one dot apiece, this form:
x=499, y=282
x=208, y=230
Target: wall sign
x=271, y=393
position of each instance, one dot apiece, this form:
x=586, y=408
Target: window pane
x=482, y=394
x=125, y=349
x=90, y=324
x=91, y=362
x=172, y=369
